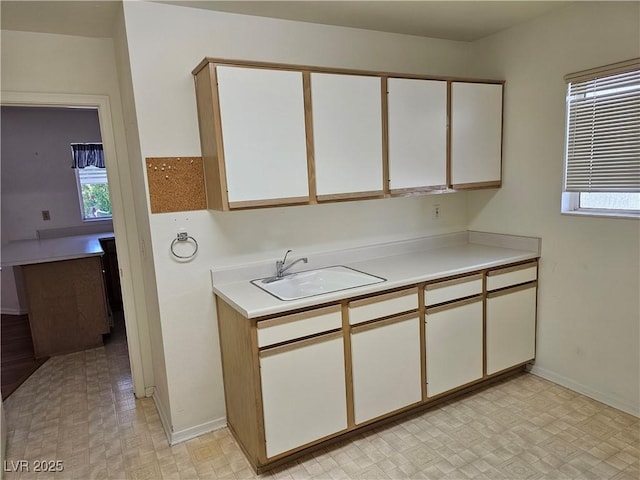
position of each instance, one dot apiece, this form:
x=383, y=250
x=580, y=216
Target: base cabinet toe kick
x=296, y=382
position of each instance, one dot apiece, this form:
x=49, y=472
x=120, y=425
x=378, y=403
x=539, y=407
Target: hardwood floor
x=17, y=358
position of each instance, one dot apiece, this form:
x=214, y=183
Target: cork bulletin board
x=176, y=184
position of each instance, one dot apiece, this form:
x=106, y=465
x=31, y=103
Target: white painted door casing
x=386, y=368
x=303, y=394
x=476, y=132
x=454, y=347
x=417, y=122
x=263, y=133
x=347, y=133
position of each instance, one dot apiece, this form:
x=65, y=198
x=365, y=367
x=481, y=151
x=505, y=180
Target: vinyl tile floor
x=79, y=409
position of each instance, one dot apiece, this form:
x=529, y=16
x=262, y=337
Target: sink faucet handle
x=284, y=260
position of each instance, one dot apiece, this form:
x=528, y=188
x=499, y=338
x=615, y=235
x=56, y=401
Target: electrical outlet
x=436, y=212
x=46, y=215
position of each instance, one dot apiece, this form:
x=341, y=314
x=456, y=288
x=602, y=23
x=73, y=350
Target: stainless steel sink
x=309, y=283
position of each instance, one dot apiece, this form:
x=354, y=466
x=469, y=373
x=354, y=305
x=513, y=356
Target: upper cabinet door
x=476, y=134
x=417, y=134
x=263, y=133
x=347, y=134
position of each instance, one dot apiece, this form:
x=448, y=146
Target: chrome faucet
x=280, y=264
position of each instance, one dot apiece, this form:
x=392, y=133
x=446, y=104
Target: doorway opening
x=124, y=311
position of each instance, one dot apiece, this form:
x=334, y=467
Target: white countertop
x=27, y=252
x=413, y=262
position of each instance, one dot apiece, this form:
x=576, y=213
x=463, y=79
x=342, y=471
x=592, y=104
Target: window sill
x=602, y=214
x=98, y=220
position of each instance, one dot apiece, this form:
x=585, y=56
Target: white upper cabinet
x=476, y=134
x=347, y=134
x=417, y=133
x=263, y=133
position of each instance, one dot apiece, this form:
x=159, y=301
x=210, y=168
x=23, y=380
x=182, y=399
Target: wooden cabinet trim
x=455, y=281
x=350, y=196
x=448, y=173
x=308, y=126
x=324, y=337
x=512, y=268
x=363, y=327
x=477, y=185
x=402, y=192
x=516, y=288
x=344, y=71
x=382, y=297
x=455, y=304
x=271, y=322
x=274, y=202
x=211, y=142
x=385, y=134
x=348, y=371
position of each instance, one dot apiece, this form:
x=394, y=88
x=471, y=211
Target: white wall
x=35, y=63
x=146, y=277
x=165, y=43
x=588, y=308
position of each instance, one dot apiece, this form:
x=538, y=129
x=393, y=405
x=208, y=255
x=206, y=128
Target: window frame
x=81, y=201
x=570, y=203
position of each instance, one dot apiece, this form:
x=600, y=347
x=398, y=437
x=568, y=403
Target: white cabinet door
x=454, y=347
x=511, y=327
x=347, y=133
x=303, y=393
x=476, y=133
x=386, y=368
x=263, y=133
x=417, y=133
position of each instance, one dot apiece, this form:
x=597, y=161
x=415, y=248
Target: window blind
x=603, y=129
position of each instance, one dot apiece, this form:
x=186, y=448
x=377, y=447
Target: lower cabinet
x=511, y=327
x=303, y=392
x=385, y=358
x=453, y=345
x=297, y=380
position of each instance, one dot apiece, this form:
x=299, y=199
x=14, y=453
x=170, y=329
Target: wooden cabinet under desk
x=67, y=305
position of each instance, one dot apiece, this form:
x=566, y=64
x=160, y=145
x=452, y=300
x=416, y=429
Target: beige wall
x=165, y=43
x=588, y=307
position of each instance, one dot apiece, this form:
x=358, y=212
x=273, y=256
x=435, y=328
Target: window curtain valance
x=87, y=154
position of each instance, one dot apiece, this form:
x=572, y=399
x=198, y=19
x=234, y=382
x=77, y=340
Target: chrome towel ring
x=180, y=238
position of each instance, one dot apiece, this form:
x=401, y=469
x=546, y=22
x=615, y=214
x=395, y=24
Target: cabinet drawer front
x=453, y=289
x=511, y=276
x=283, y=329
x=382, y=306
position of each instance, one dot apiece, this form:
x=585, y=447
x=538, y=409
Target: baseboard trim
x=164, y=419
x=193, y=432
x=606, y=398
x=188, y=433
x=13, y=311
